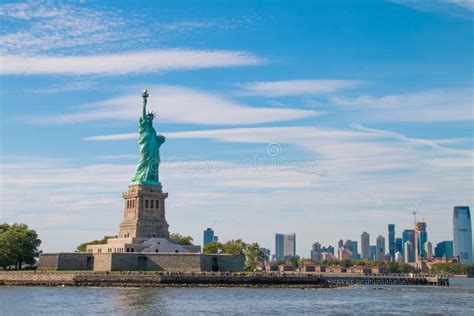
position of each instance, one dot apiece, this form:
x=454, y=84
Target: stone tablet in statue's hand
x=161, y=138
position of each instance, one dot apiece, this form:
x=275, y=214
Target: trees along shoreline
x=18, y=246
x=252, y=252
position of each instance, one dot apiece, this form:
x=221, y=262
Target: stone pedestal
x=144, y=212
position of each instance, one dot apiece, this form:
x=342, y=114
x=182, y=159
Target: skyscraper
x=380, y=252
x=421, y=237
x=365, y=245
x=316, y=251
x=285, y=246
x=352, y=246
x=329, y=249
x=391, y=241
x=279, y=246
x=372, y=252
x=340, y=243
x=408, y=235
x=344, y=253
x=428, y=249
x=462, y=234
x=399, y=245
x=444, y=248
x=208, y=237
x=408, y=252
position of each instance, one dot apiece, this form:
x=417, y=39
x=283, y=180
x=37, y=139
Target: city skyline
x=425, y=248
x=325, y=119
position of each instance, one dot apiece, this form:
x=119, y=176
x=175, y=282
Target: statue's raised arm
x=145, y=97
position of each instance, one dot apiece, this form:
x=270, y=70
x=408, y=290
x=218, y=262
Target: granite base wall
x=229, y=263
x=66, y=261
x=173, y=262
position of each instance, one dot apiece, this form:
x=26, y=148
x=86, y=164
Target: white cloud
x=188, y=25
x=28, y=10
x=455, y=8
x=183, y=105
x=119, y=64
x=433, y=143
x=124, y=136
x=360, y=151
x=434, y=105
x=66, y=28
x=73, y=39
x=44, y=26
x=370, y=149
x=295, y=87
x=466, y=4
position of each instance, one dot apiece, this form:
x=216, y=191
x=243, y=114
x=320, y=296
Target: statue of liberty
x=150, y=142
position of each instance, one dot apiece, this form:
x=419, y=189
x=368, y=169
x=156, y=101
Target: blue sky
x=323, y=118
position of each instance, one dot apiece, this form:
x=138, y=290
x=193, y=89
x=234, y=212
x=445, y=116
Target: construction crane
x=416, y=211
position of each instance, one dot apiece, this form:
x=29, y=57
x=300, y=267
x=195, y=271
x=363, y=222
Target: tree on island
x=5, y=259
x=181, y=239
x=18, y=245
x=252, y=252
x=253, y=255
x=212, y=247
x=453, y=268
x=294, y=261
x=82, y=247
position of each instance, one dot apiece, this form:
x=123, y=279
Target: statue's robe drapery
x=149, y=160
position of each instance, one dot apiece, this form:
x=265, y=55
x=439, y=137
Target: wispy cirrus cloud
x=295, y=87
x=65, y=39
x=125, y=63
x=345, y=155
x=431, y=106
x=42, y=26
x=467, y=4
x=66, y=28
x=315, y=139
x=181, y=105
x=456, y=8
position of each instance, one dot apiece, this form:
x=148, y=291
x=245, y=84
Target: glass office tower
x=462, y=234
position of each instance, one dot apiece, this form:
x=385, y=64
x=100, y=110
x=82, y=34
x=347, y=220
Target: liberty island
x=143, y=242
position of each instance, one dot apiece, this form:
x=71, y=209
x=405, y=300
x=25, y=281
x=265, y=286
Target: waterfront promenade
x=383, y=279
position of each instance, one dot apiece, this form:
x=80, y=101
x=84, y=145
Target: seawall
x=148, y=280
x=117, y=279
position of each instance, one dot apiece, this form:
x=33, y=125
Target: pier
x=344, y=279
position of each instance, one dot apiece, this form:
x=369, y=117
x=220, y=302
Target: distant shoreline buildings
x=285, y=246
x=412, y=247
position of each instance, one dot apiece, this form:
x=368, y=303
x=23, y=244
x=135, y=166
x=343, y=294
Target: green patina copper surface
x=150, y=143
